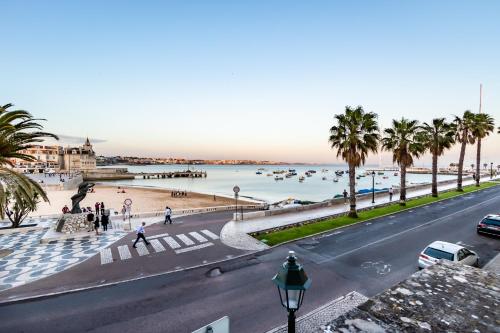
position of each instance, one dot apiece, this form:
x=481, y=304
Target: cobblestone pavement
x=31, y=260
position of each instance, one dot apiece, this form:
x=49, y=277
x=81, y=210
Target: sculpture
x=83, y=188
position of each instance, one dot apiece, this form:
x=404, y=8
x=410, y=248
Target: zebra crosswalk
x=180, y=243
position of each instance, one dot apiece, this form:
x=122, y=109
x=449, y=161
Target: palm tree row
x=356, y=133
x=18, y=131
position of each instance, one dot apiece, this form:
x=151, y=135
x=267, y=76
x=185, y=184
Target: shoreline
x=144, y=199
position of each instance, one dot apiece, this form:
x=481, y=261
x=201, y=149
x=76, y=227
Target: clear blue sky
x=244, y=79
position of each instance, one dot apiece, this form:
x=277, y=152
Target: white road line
x=158, y=236
x=106, y=256
x=198, y=237
x=157, y=245
x=124, y=252
x=210, y=234
x=192, y=248
x=411, y=229
x=172, y=242
x=141, y=249
x=185, y=239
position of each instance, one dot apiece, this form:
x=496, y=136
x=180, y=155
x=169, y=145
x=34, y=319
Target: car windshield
x=438, y=254
x=492, y=222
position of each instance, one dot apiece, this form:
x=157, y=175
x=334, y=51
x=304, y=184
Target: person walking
x=90, y=221
x=391, y=193
x=102, y=208
x=168, y=213
x=96, y=225
x=65, y=209
x=97, y=208
x=345, y=196
x=140, y=234
x=104, y=222
x=124, y=210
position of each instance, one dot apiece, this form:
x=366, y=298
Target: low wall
x=254, y=215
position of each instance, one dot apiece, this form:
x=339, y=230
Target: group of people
x=99, y=219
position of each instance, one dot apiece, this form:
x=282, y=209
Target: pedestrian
x=140, y=234
x=97, y=208
x=345, y=196
x=473, y=176
x=102, y=208
x=124, y=210
x=391, y=193
x=65, y=209
x=90, y=221
x=168, y=213
x=104, y=222
x=96, y=225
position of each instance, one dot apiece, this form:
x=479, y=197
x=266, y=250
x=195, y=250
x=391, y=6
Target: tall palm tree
x=464, y=136
x=354, y=135
x=482, y=126
x=18, y=131
x=437, y=137
x=403, y=140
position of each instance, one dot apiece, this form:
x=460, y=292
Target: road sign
x=218, y=326
x=128, y=202
x=236, y=189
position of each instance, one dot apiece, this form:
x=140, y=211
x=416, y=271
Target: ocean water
x=221, y=179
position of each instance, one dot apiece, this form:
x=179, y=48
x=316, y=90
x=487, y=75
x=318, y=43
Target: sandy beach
x=144, y=200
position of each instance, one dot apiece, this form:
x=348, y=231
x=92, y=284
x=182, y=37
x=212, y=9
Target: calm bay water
x=222, y=178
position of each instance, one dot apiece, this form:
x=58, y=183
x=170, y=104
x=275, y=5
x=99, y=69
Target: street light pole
x=373, y=187
x=491, y=170
x=291, y=321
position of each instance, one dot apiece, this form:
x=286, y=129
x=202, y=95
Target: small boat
x=291, y=170
x=269, y=175
x=386, y=177
x=261, y=169
x=278, y=178
x=324, y=170
x=395, y=173
x=380, y=173
x=335, y=180
x=324, y=178
x=358, y=177
x=301, y=179
x=311, y=171
x=258, y=173
x=288, y=175
x=308, y=174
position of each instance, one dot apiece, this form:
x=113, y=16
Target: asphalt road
x=368, y=257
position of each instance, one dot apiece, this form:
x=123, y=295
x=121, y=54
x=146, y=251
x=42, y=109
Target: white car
x=449, y=251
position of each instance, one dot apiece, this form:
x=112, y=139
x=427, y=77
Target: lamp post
x=236, y=190
x=292, y=283
x=373, y=187
x=491, y=170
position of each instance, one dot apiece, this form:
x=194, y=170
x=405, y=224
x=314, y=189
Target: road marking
x=172, y=242
x=141, y=249
x=411, y=229
x=157, y=245
x=106, y=256
x=210, y=234
x=464, y=244
x=192, y=248
x=124, y=252
x=198, y=237
x=185, y=239
x=158, y=236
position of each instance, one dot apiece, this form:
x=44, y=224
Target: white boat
x=301, y=179
x=308, y=174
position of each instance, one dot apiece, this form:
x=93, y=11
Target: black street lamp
x=292, y=282
x=373, y=187
x=491, y=170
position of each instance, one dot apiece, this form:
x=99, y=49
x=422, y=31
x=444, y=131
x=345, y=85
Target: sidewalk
x=235, y=233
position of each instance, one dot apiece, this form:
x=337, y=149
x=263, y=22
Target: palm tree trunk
x=461, y=162
x=402, y=186
x=434, y=174
x=352, y=191
x=478, y=161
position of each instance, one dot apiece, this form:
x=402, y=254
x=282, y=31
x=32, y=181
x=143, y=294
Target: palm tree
x=464, y=136
x=355, y=134
x=437, y=137
x=482, y=126
x=18, y=131
x=403, y=140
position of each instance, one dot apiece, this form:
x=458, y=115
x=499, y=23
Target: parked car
x=490, y=225
x=448, y=251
